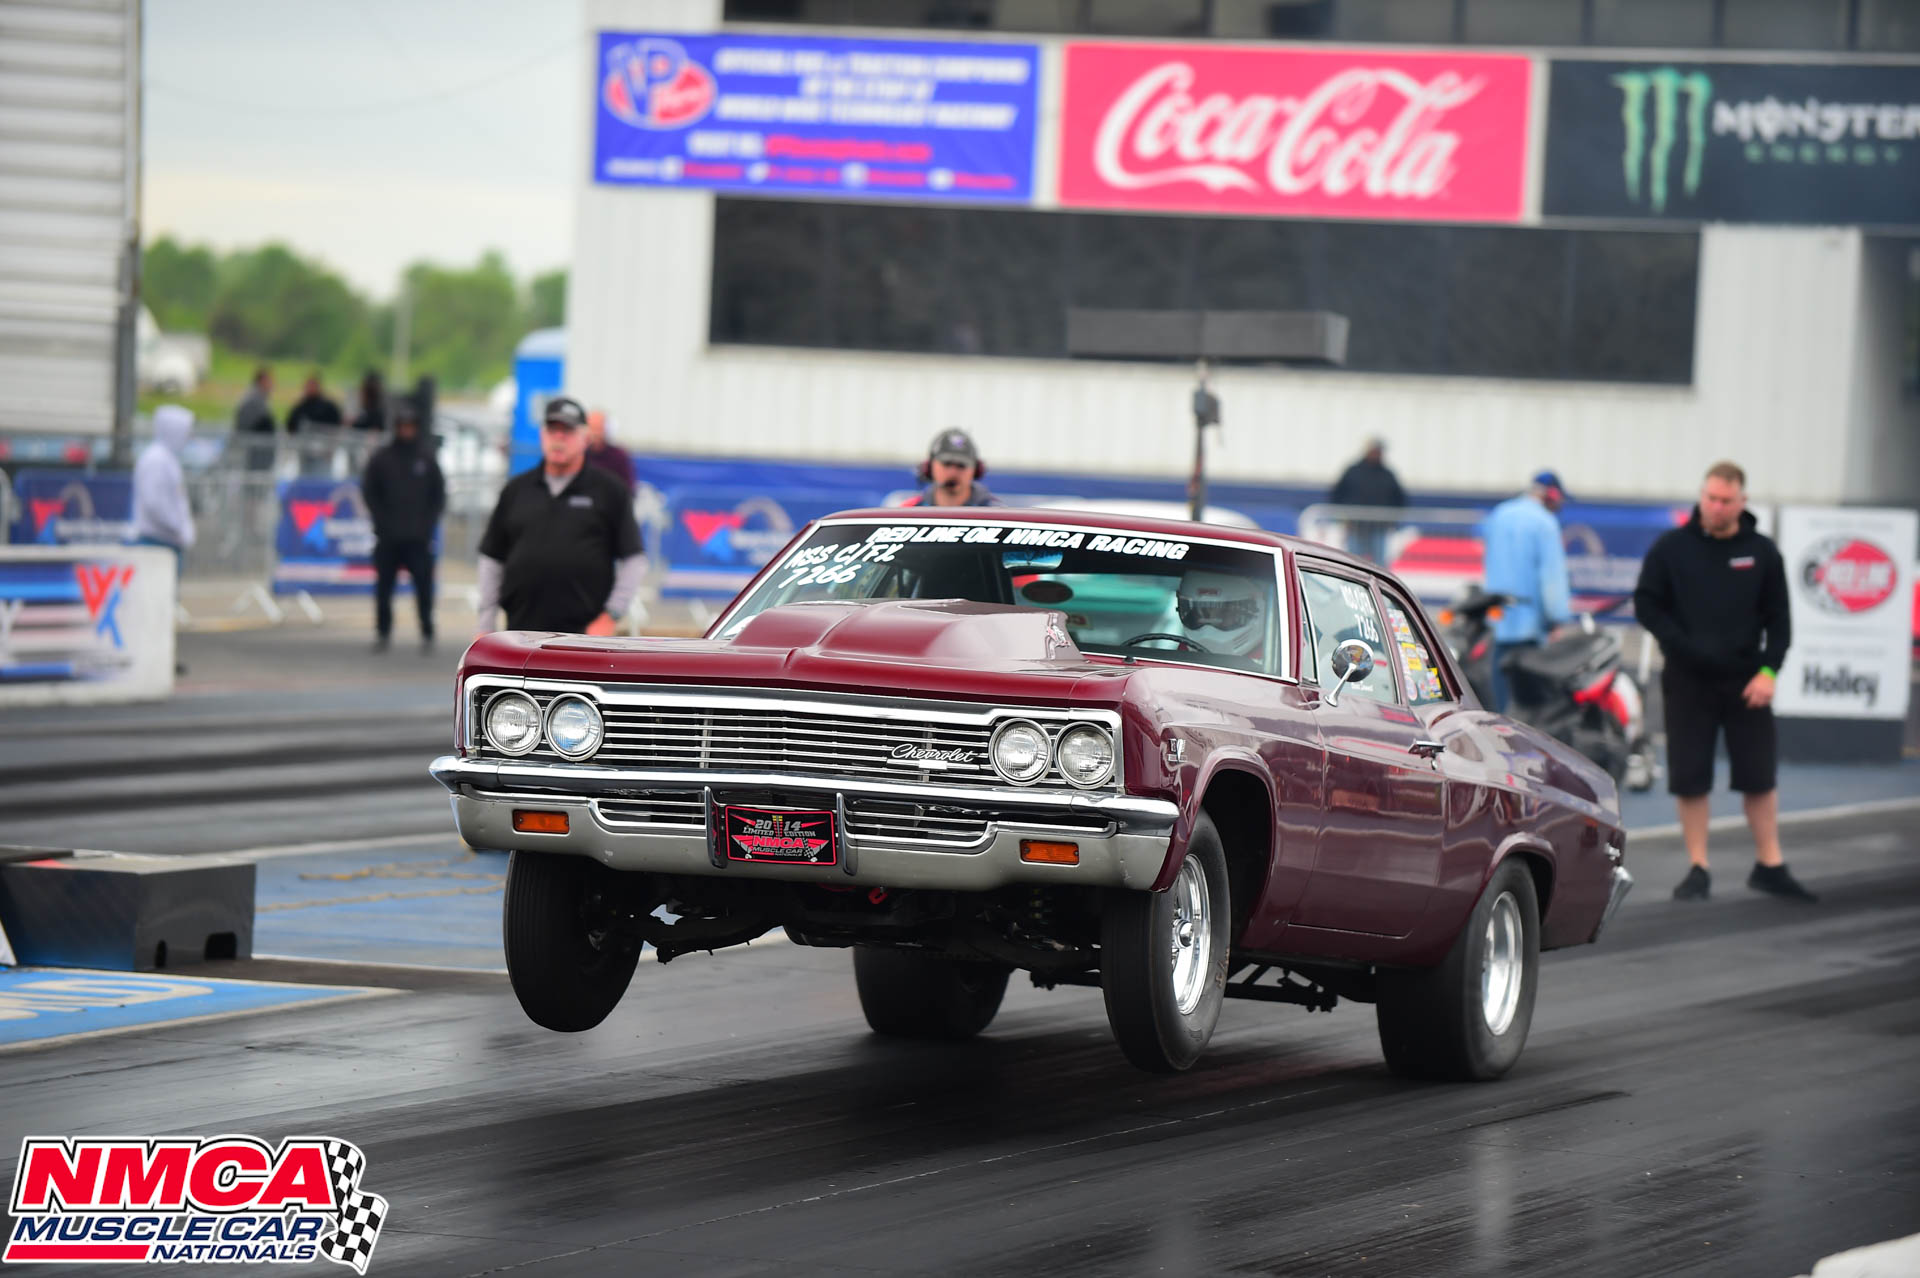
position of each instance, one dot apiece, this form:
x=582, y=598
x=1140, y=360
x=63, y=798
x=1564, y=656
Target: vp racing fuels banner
x=1360, y=133
x=806, y=115
x=1734, y=142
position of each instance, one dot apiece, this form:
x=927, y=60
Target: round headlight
x=574, y=727
x=1021, y=751
x=513, y=723
x=1086, y=754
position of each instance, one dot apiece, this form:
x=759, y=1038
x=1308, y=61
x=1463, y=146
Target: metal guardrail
x=1367, y=530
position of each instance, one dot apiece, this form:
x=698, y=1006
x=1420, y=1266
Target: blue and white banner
x=85, y=623
x=714, y=521
x=324, y=542
x=807, y=115
x=72, y=507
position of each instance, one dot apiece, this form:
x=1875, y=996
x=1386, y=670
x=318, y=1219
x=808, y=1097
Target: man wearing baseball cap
x=561, y=550
x=1526, y=561
x=952, y=473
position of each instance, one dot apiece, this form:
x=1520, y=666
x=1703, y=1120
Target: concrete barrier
x=86, y=624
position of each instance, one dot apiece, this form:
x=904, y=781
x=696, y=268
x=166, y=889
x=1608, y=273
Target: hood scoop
x=948, y=632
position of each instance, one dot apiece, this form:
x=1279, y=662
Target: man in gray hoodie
x=161, y=515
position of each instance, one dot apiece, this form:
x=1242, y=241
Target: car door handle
x=1428, y=749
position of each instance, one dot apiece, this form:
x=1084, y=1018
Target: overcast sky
x=367, y=133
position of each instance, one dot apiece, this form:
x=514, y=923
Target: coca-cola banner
x=1734, y=142
x=1295, y=132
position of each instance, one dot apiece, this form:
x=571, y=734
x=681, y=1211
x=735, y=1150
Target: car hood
x=940, y=648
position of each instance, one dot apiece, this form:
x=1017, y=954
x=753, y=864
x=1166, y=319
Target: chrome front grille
x=913, y=823
x=673, y=810
x=833, y=741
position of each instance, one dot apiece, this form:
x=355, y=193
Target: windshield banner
x=805, y=115
x=1734, y=142
x=1360, y=133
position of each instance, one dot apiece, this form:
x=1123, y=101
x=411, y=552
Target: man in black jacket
x=1714, y=594
x=1369, y=482
x=313, y=410
x=405, y=495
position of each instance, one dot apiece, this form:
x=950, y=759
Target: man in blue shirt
x=1526, y=562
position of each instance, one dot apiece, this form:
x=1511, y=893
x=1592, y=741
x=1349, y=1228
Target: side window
x=1418, y=667
x=1343, y=609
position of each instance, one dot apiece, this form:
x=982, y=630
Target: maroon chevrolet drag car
x=1178, y=762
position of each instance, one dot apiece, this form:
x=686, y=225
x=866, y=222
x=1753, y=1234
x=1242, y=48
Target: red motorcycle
x=1573, y=686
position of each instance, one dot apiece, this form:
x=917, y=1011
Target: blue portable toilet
x=539, y=372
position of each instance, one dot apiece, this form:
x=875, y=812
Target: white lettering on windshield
x=1057, y=538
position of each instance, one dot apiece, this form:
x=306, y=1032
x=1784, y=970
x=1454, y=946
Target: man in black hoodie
x=405, y=495
x=1714, y=594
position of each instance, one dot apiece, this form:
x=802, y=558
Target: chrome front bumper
x=1127, y=850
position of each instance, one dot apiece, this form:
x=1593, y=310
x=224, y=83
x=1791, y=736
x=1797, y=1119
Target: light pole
x=1208, y=338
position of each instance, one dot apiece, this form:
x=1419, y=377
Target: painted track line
x=276, y=851
x=1872, y=807
x=384, y=966
x=345, y=996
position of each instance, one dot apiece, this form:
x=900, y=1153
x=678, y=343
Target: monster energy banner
x=1734, y=142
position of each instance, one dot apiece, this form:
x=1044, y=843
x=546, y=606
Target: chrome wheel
x=1192, y=936
x=1502, y=965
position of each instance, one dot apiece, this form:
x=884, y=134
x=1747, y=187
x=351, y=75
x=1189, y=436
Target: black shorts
x=1697, y=709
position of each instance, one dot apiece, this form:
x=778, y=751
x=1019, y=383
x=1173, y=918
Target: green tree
x=463, y=323
x=177, y=284
x=272, y=302
x=547, y=300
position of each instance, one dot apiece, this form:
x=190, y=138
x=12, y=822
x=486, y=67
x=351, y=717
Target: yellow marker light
x=1049, y=853
x=540, y=822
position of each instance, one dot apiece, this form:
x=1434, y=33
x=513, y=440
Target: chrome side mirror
x=1352, y=663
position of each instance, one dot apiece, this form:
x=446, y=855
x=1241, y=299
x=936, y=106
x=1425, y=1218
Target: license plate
x=780, y=836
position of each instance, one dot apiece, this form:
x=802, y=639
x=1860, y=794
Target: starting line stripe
x=40, y=1007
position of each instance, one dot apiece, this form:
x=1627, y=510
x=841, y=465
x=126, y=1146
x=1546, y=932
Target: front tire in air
x=908, y=994
x=1466, y=1020
x=566, y=957
x=1163, y=959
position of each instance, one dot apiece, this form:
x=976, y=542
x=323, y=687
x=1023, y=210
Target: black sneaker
x=381, y=643
x=1778, y=880
x=1697, y=886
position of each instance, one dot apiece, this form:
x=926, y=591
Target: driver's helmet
x=1221, y=612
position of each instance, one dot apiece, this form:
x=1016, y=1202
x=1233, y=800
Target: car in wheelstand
x=1178, y=762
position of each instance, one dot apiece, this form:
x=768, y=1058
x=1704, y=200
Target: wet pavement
x=1717, y=1089
x=1713, y=1089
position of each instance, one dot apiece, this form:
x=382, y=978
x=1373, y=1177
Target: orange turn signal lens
x=1049, y=853
x=539, y=822
x=1493, y=614
x=1446, y=616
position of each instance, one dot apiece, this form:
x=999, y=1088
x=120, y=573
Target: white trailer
x=69, y=215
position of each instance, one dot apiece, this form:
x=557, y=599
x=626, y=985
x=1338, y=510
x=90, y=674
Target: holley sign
x=1309, y=133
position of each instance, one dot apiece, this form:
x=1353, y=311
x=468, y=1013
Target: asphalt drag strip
x=1716, y=1088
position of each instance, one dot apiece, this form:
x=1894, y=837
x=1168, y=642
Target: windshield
x=1120, y=592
